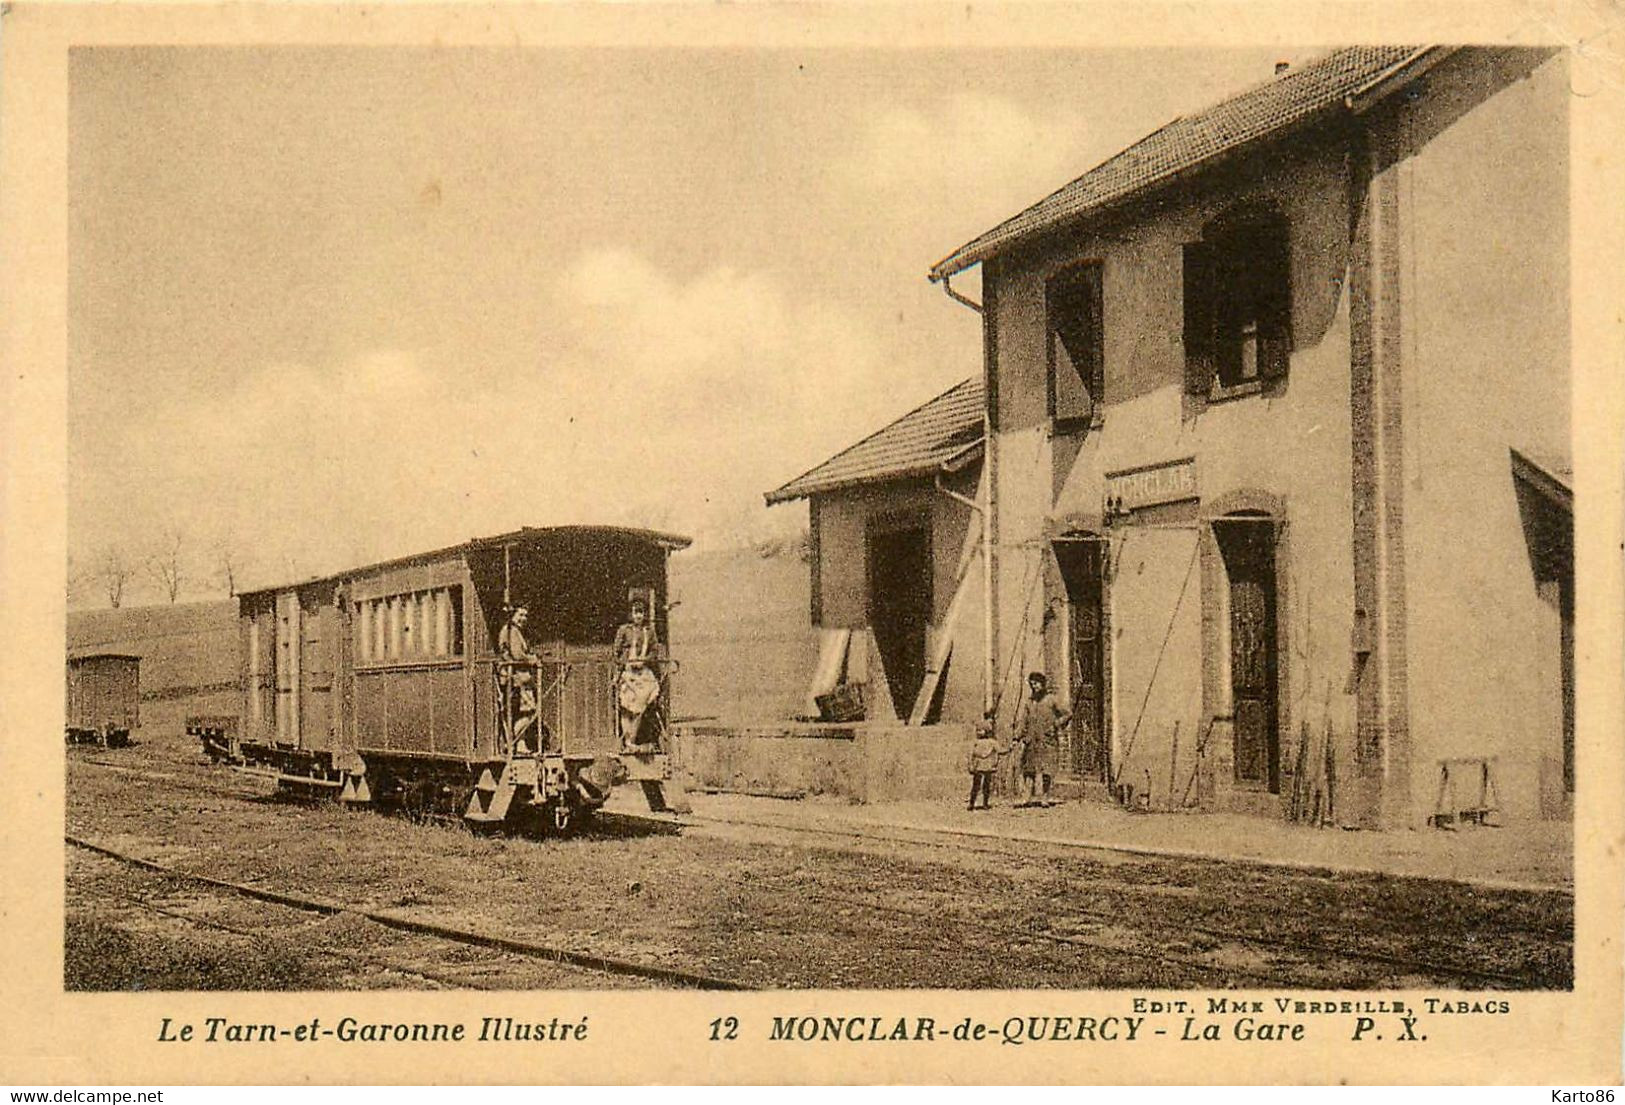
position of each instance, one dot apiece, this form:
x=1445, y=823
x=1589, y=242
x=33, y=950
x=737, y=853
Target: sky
x=331, y=305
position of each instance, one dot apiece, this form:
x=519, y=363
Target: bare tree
x=110, y=570
x=166, y=563
x=228, y=561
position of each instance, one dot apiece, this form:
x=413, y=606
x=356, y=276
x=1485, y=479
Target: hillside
x=740, y=629
x=742, y=632
x=185, y=646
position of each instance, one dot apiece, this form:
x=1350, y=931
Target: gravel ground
x=770, y=908
x=129, y=929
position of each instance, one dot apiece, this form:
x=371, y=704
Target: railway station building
x=1271, y=465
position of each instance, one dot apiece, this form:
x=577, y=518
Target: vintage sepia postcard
x=812, y=544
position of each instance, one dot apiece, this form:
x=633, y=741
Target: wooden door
x=1249, y=549
x=287, y=667
x=1088, y=715
x=258, y=643
x=318, y=621
x=344, y=656
x=900, y=608
x=1088, y=756
x=1085, y=745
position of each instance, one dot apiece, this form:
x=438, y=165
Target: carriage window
x=393, y=644
x=410, y=627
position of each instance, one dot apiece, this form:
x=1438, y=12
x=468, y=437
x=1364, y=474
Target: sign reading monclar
x=1169, y=481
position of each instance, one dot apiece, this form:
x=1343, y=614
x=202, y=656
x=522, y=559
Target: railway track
x=671, y=976
x=344, y=958
x=234, y=787
x=313, y=905
x=1291, y=958
x=1307, y=951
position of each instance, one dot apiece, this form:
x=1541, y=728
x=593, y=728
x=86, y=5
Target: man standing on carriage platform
x=516, y=675
x=636, y=645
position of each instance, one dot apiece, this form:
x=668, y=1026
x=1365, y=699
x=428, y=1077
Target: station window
x=409, y=627
x=1074, y=303
x=1238, y=305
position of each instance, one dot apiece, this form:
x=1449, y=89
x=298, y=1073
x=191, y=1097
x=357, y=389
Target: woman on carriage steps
x=636, y=646
x=517, y=678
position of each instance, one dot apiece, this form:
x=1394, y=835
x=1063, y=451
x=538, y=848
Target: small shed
x=104, y=698
x=897, y=587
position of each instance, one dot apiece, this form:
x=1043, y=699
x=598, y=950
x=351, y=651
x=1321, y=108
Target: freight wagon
x=104, y=698
x=386, y=685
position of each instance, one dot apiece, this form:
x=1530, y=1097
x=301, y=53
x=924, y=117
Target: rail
x=590, y=961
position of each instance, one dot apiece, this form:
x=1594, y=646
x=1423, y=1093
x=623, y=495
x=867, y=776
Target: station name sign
x=1169, y=481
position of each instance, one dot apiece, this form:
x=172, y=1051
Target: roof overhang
x=1546, y=477
x=958, y=462
x=1373, y=92
x=669, y=541
x=528, y=535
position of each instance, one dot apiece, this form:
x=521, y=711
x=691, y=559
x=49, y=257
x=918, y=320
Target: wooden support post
x=832, y=648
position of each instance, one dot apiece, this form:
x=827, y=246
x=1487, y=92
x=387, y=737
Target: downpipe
x=990, y=469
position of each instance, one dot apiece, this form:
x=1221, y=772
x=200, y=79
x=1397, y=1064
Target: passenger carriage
x=385, y=685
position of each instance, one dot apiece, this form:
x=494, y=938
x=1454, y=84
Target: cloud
x=714, y=388
x=976, y=156
x=672, y=400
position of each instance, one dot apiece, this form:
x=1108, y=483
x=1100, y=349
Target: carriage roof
x=527, y=535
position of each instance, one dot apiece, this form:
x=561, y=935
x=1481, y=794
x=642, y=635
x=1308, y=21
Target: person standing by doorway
x=1041, y=723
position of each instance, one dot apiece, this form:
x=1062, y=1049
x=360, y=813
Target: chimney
x=1282, y=67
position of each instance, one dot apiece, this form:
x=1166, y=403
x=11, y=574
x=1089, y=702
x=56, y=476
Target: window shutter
x=1199, y=296
x=1275, y=302
x=1072, y=303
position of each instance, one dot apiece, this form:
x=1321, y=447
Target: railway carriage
x=104, y=698
x=384, y=684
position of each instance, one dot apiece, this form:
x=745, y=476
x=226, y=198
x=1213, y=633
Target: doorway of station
x=1085, y=752
x=1247, y=545
x=900, y=597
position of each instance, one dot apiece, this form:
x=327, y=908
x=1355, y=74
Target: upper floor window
x=1076, y=354
x=1238, y=305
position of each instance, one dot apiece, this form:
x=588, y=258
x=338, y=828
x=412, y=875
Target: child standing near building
x=983, y=762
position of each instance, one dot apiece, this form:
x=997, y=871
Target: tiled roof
x=925, y=439
x=1186, y=143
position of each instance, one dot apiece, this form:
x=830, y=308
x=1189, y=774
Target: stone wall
x=861, y=763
